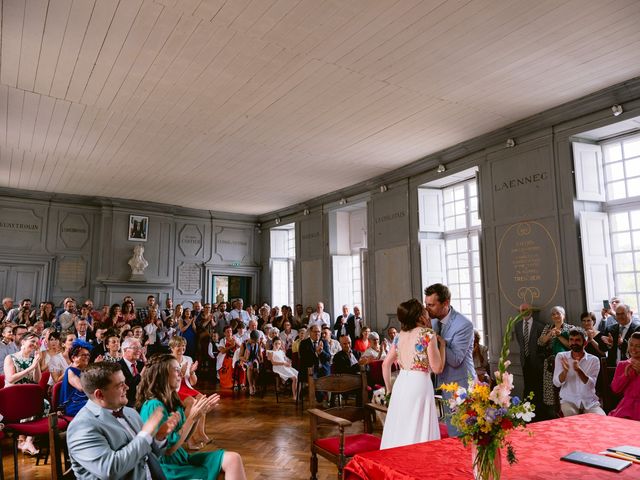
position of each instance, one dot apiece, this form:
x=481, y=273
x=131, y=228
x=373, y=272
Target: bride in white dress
x=282, y=365
x=412, y=416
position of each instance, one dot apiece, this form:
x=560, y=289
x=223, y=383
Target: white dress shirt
x=572, y=389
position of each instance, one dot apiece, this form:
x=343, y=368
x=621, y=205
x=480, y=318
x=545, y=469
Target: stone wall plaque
x=234, y=244
x=20, y=228
x=528, y=264
x=190, y=240
x=189, y=278
x=71, y=273
x=311, y=237
x=74, y=231
x=390, y=216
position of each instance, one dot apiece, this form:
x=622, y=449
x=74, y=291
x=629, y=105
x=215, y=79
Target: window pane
x=621, y=241
x=619, y=222
x=616, y=190
x=465, y=292
x=633, y=187
x=635, y=219
x=632, y=167
x=636, y=240
x=625, y=282
x=460, y=208
x=612, y=152
x=452, y=261
x=461, y=222
x=458, y=192
x=448, y=195
x=623, y=262
x=631, y=147
x=615, y=171
x=473, y=188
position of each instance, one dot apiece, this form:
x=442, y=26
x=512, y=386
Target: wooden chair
x=58, y=447
x=339, y=448
x=266, y=377
x=609, y=399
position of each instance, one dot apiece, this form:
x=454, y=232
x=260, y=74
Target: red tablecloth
x=538, y=455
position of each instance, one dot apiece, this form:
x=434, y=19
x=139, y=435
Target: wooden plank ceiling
x=249, y=106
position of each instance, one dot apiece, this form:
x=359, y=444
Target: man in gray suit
x=107, y=439
x=457, y=332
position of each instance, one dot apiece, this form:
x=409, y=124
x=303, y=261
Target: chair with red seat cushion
x=44, y=381
x=1, y=381
x=19, y=402
x=340, y=448
x=55, y=402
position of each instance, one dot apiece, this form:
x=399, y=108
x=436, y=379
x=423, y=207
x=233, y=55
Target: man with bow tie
x=107, y=439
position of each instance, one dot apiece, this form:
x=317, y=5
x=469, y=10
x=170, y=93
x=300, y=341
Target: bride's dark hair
x=409, y=314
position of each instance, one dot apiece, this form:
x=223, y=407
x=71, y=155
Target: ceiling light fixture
x=441, y=168
x=277, y=220
x=617, y=110
x=383, y=188
x=343, y=201
x=510, y=143
x=306, y=211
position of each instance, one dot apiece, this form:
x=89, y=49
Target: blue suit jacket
x=458, y=333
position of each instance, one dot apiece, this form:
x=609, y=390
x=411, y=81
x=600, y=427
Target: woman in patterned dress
x=412, y=416
x=20, y=368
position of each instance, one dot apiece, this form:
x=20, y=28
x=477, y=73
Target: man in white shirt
x=319, y=318
x=575, y=374
x=238, y=312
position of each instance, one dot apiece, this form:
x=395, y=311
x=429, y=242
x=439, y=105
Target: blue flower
x=515, y=400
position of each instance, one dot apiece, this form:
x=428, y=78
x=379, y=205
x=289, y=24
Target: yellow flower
x=449, y=387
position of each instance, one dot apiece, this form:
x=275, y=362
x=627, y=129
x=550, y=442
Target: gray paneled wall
x=54, y=249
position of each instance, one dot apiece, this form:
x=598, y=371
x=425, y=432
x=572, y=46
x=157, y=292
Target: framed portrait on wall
x=138, y=228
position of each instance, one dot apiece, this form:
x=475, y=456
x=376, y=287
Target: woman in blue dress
x=187, y=327
x=72, y=397
x=158, y=388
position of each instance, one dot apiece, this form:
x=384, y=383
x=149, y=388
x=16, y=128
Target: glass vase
x=487, y=461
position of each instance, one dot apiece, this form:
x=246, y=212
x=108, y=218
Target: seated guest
x=594, y=337
x=227, y=348
x=53, y=359
x=106, y=439
x=615, y=338
x=157, y=391
x=131, y=367
x=346, y=360
x=375, y=351
x=481, y=359
x=626, y=382
x=186, y=392
x=23, y=367
x=251, y=359
x=288, y=336
x=302, y=334
x=282, y=365
x=391, y=335
x=314, y=354
x=112, y=340
x=362, y=342
x=334, y=345
x=575, y=374
x=241, y=335
x=72, y=396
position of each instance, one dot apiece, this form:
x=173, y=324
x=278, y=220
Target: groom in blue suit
x=457, y=332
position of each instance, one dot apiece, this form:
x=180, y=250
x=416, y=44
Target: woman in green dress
x=158, y=388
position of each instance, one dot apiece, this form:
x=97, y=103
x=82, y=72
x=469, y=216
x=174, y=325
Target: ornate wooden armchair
x=339, y=448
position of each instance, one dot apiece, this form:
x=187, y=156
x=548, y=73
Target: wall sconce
x=343, y=201
x=306, y=212
x=441, y=168
x=617, y=110
x=510, y=143
x=383, y=188
x=277, y=220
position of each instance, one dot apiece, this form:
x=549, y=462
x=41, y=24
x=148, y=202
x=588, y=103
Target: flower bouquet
x=484, y=416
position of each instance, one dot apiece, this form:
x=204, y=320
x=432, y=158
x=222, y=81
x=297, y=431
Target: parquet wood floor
x=272, y=438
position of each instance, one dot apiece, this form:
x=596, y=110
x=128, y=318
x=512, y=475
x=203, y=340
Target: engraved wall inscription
x=528, y=264
x=71, y=273
x=74, y=231
x=189, y=278
x=190, y=240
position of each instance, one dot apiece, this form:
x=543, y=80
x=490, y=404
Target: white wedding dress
x=412, y=416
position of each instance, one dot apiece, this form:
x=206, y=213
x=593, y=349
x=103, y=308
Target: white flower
x=528, y=414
